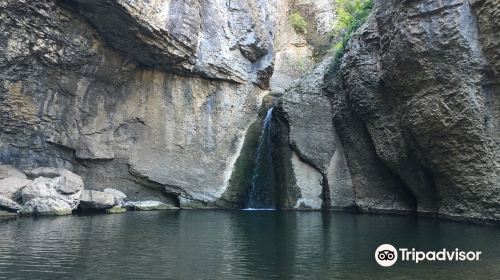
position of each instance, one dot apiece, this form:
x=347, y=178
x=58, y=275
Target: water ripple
x=234, y=245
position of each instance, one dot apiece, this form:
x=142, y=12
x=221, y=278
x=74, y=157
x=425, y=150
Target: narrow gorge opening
x=261, y=192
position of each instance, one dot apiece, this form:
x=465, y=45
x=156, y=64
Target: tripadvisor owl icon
x=386, y=255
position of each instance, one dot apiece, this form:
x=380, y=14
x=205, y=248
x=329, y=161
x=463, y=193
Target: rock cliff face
x=217, y=39
x=162, y=100
x=150, y=97
x=414, y=101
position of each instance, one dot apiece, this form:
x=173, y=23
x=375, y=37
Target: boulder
x=10, y=187
x=69, y=182
x=46, y=206
x=43, y=187
x=148, y=205
x=118, y=195
x=8, y=204
x=96, y=200
x=9, y=171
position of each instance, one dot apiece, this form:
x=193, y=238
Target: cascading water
x=261, y=192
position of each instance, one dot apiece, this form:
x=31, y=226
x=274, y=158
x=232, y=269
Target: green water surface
x=216, y=244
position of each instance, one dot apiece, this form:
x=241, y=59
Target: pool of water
x=196, y=244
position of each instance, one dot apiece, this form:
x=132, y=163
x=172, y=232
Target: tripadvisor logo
x=387, y=255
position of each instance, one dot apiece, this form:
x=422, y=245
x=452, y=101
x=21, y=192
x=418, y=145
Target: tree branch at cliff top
x=351, y=14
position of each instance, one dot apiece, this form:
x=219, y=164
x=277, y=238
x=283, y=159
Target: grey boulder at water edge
x=57, y=191
x=159, y=105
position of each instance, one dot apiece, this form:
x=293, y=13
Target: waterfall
x=261, y=192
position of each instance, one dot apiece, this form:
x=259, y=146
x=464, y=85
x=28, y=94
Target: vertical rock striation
x=149, y=97
x=418, y=83
x=406, y=119
x=159, y=100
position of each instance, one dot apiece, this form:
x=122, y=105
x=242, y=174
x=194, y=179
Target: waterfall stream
x=261, y=192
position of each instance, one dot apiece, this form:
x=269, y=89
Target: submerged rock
x=96, y=200
x=116, y=210
x=46, y=206
x=148, y=205
x=7, y=214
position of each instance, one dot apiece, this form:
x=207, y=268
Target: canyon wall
x=165, y=100
x=150, y=97
x=414, y=103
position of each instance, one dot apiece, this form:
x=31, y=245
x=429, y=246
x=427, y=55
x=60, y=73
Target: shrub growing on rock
x=351, y=14
x=298, y=22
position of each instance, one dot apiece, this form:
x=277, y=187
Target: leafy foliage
x=298, y=22
x=351, y=14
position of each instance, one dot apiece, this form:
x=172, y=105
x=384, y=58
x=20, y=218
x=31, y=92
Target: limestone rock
x=10, y=187
x=8, y=204
x=69, y=182
x=41, y=187
x=308, y=113
x=66, y=187
x=138, y=100
x=192, y=38
x=413, y=112
x=46, y=206
x=156, y=97
x=340, y=183
x=9, y=171
x=315, y=150
x=115, y=193
x=309, y=182
x=148, y=205
x=48, y=172
x=96, y=200
x=118, y=195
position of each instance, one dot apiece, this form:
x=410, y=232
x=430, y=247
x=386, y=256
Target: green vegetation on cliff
x=351, y=14
x=298, y=22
